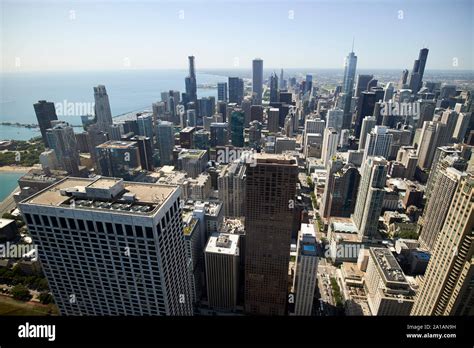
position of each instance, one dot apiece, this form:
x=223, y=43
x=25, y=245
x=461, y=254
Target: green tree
x=46, y=298
x=21, y=293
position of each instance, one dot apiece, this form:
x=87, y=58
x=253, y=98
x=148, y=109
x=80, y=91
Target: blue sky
x=89, y=35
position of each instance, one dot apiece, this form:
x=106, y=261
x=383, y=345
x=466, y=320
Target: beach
x=15, y=169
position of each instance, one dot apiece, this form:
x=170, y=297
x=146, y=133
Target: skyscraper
x=270, y=191
x=330, y=141
x=304, y=283
x=128, y=254
x=222, y=91
x=368, y=123
x=62, y=140
x=435, y=212
x=273, y=88
x=361, y=84
x=416, y=75
x=222, y=257
x=257, y=80
x=370, y=197
x=45, y=113
x=190, y=81
x=118, y=159
x=237, y=127
x=446, y=288
x=236, y=90
x=165, y=143
x=103, y=113
x=231, y=188
x=378, y=143
x=350, y=65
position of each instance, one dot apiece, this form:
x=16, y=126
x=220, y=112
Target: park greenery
x=22, y=153
x=15, y=276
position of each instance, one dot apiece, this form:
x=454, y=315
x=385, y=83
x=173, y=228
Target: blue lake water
x=128, y=90
x=8, y=182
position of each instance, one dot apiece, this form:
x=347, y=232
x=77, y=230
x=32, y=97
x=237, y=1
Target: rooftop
x=103, y=194
x=223, y=243
x=389, y=266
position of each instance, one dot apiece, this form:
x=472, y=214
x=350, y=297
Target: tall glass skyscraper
x=257, y=80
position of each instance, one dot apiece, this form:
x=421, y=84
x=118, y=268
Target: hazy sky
x=85, y=35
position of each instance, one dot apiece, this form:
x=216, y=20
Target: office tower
x=435, y=212
x=237, y=127
x=190, y=81
x=128, y=255
x=255, y=134
x=236, y=90
x=159, y=110
x=283, y=144
x=165, y=141
x=118, y=159
x=145, y=125
x=206, y=106
x=315, y=125
x=416, y=75
x=334, y=119
x=45, y=113
x=191, y=118
x=365, y=107
x=350, y=65
x=368, y=123
x=427, y=109
x=372, y=85
x=62, y=140
x=145, y=149
x=257, y=80
x=222, y=256
x=231, y=188
x=219, y=134
x=444, y=157
x=378, y=143
x=186, y=137
x=330, y=140
x=48, y=159
x=308, y=86
x=273, y=119
x=115, y=132
x=370, y=197
x=192, y=161
x=171, y=99
x=430, y=139
x=361, y=84
x=256, y=113
x=446, y=287
x=270, y=189
x=103, y=114
x=388, y=291
x=340, y=192
x=388, y=94
x=273, y=88
x=247, y=109
x=201, y=139
x=285, y=97
x=222, y=91
x=462, y=127
x=282, y=84
x=304, y=282
x=450, y=119
x=403, y=79
x=130, y=126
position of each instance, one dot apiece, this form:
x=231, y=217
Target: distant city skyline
x=74, y=36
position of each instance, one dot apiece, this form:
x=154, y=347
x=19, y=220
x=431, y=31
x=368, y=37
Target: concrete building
x=446, y=288
x=388, y=291
x=103, y=114
x=222, y=256
x=62, y=140
x=165, y=141
x=330, y=140
x=378, y=143
x=118, y=159
x=271, y=185
x=304, y=282
x=257, y=80
x=231, y=188
x=128, y=255
x=193, y=161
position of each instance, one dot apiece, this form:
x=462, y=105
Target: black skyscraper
x=236, y=90
x=416, y=76
x=45, y=113
x=190, y=81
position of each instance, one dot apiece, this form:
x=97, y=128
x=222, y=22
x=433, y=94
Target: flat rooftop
x=389, y=266
x=117, y=144
x=129, y=197
x=223, y=243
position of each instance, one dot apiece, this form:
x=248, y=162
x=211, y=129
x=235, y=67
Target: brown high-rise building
x=270, y=194
x=446, y=288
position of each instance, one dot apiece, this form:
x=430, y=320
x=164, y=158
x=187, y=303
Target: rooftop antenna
x=353, y=38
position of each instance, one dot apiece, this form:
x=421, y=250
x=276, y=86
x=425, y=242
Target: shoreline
x=15, y=169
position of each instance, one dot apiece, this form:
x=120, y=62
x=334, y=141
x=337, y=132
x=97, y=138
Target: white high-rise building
x=257, y=80
x=370, y=197
x=110, y=247
x=334, y=119
x=368, y=123
x=231, y=188
x=304, y=282
x=330, y=141
x=378, y=143
x=103, y=113
x=222, y=257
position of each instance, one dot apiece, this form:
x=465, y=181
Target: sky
x=61, y=35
